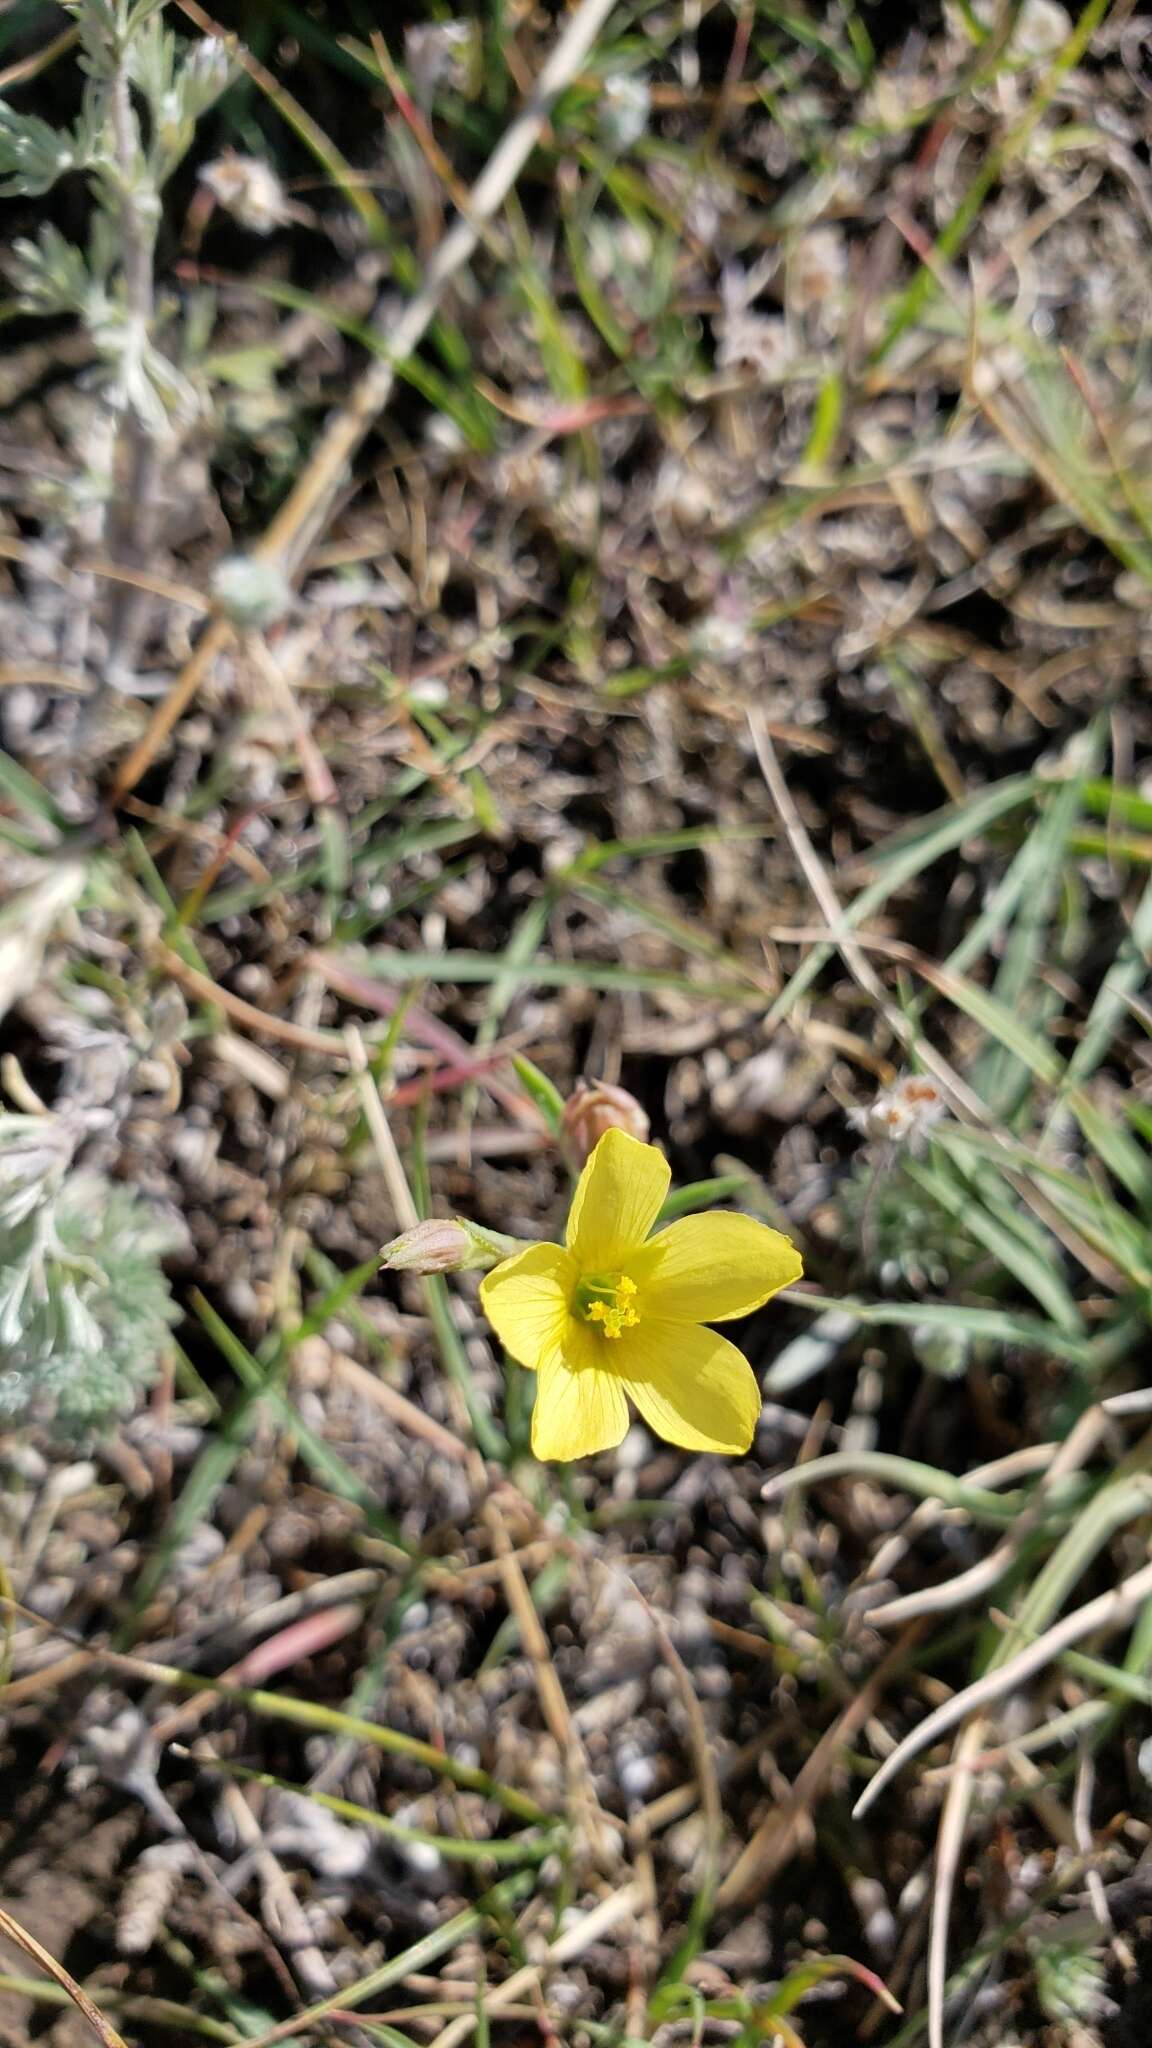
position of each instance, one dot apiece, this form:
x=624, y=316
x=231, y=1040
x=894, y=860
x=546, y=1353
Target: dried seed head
x=902, y=1114
x=249, y=190
x=593, y=1108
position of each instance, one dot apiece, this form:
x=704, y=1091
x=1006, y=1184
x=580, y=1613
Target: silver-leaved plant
x=85, y=1308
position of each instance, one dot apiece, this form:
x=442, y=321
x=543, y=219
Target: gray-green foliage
x=145, y=89
x=33, y=155
x=125, y=50
x=85, y=1307
x=906, y=1239
x=1070, y=1978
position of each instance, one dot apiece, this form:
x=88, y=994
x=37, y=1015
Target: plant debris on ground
x=574, y=543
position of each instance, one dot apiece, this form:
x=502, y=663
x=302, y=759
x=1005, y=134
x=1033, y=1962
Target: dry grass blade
x=401, y=1411
x=949, y=1844
x=979, y=1578
x=30, y=67
x=789, y=1826
x=1108, y=1611
x=707, y=1781
x=591, y=1927
x=102, y=2028
x=810, y=861
x=216, y=638
x=305, y=511
x=550, y=1692
x=263, y=1022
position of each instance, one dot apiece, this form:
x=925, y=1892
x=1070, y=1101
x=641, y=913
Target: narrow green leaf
x=454, y=1848
x=903, y=858
x=702, y=1194
x=539, y=1090
x=994, y=1325
x=1031, y=1260
x=28, y=794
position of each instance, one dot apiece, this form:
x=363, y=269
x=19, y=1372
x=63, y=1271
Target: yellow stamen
x=607, y=1299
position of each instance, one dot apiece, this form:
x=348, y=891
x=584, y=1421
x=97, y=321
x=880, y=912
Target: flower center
x=607, y=1299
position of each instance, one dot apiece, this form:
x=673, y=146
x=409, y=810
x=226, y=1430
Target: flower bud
x=595, y=1107
x=447, y=1244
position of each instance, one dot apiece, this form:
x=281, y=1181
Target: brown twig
x=329, y=1043
x=103, y=2028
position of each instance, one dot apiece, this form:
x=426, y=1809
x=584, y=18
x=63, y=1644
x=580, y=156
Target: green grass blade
x=992, y=1325
x=904, y=858
x=454, y=1848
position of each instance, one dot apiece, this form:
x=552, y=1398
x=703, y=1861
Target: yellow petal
x=526, y=1301
x=706, y=1269
x=618, y=1198
x=580, y=1408
x=691, y=1385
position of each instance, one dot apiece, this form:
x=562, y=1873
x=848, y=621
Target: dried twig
x=103, y=2028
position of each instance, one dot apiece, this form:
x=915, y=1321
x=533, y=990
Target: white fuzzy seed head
x=902, y=1114
x=249, y=190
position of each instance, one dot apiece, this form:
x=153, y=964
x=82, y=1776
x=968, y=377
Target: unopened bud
x=448, y=1244
x=595, y=1107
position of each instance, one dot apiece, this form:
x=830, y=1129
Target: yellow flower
x=619, y=1313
